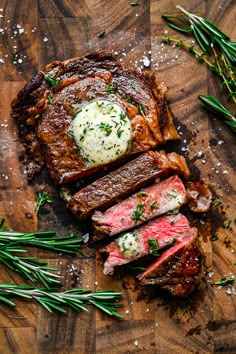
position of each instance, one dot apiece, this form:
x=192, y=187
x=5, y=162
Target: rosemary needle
x=78, y=299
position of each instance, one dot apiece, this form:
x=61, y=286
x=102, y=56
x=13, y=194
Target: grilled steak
x=199, y=196
x=145, y=240
x=104, y=192
x=46, y=107
x=178, y=269
x=152, y=201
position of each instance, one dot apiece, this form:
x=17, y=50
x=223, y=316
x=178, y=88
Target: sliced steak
x=178, y=269
x=145, y=240
x=44, y=110
x=199, y=196
x=148, y=203
x=120, y=183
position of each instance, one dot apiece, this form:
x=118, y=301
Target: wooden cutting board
x=34, y=33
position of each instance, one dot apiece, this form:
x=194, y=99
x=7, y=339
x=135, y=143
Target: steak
x=199, y=196
x=136, y=244
x=44, y=110
x=120, y=183
x=158, y=199
x=178, y=269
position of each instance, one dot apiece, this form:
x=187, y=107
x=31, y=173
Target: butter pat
x=102, y=132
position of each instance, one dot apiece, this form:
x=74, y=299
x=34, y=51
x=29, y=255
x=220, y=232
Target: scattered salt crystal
x=96, y=283
x=1, y=30
x=199, y=154
x=136, y=343
x=225, y=172
x=210, y=275
x=127, y=312
x=45, y=39
x=2, y=61
x=220, y=142
x=86, y=238
x=21, y=31
x=146, y=62
x=20, y=61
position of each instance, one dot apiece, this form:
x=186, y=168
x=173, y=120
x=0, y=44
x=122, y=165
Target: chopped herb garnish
x=140, y=108
x=173, y=194
x=225, y=281
x=49, y=99
x=101, y=34
x=52, y=80
x=111, y=89
x=138, y=213
x=129, y=99
x=106, y=127
x=37, y=116
x=134, y=3
x=77, y=148
x=227, y=225
x=152, y=205
x=171, y=243
x=141, y=194
x=133, y=84
x=214, y=238
x=153, y=247
x=122, y=116
x=119, y=132
x=217, y=203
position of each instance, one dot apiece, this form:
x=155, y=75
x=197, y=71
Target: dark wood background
x=34, y=33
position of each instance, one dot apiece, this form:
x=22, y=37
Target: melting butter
x=102, y=132
x=128, y=244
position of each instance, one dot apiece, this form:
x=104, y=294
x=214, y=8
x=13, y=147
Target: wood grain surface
x=34, y=33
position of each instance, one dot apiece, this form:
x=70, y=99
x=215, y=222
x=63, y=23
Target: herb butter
x=128, y=244
x=102, y=132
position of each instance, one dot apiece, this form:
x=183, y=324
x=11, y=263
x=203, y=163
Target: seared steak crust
x=44, y=110
x=179, y=269
x=118, y=184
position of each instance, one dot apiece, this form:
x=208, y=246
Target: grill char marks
x=80, y=80
x=120, y=183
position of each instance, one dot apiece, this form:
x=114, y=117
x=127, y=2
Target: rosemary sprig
x=41, y=200
x=77, y=298
x=45, y=239
x=218, y=53
x=225, y=281
x=29, y=267
x=213, y=105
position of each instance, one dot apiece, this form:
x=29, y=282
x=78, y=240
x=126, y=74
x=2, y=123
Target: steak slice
x=158, y=199
x=104, y=192
x=136, y=244
x=179, y=269
x=46, y=106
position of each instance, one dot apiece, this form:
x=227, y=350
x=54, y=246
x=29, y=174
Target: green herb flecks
x=101, y=34
x=107, y=128
x=111, y=89
x=152, y=205
x=141, y=194
x=134, y=3
x=52, y=80
x=41, y=200
x=225, y=281
x=138, y=213
x=77, y=299
x=217, y=203
x=153, y=247
x=218, y=53
x=49, y=99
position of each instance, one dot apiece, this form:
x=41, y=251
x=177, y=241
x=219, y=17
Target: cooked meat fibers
x=178, y=269
x=199, y=196
x=118, y=184
x=152, y=201
x=46, y=106
x=145, y=240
